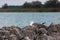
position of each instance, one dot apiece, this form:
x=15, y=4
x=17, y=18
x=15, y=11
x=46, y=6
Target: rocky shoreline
x=35, y=31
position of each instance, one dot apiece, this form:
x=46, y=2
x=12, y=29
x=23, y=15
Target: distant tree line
x=5, y=5
x=38, y=4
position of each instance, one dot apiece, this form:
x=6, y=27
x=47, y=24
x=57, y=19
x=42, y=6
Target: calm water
x=23, y=18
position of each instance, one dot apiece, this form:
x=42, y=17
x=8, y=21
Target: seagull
x=31, y=23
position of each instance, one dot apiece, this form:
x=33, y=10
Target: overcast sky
x=16, y=2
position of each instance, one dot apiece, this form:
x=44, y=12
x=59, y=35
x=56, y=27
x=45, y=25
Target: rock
x=54, y=31
x=54, y=28
x=13, y=37
x=28, y=33
x=26, y=38
x=34, y=32
x=42, y=34
x=43, y=30
x=35, y=27
x=6, y=33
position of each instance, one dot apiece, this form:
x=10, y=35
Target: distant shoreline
x=31, y=10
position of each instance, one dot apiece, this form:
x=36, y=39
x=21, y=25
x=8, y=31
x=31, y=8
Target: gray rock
x=35, y=32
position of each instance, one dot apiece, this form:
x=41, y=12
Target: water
x=22, y=19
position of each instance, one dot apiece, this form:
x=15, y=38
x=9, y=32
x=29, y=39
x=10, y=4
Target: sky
x=17, y=2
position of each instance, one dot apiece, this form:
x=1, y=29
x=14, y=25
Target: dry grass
x=31, y=10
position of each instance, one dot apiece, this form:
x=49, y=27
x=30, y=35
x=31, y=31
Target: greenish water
x=23, y=18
